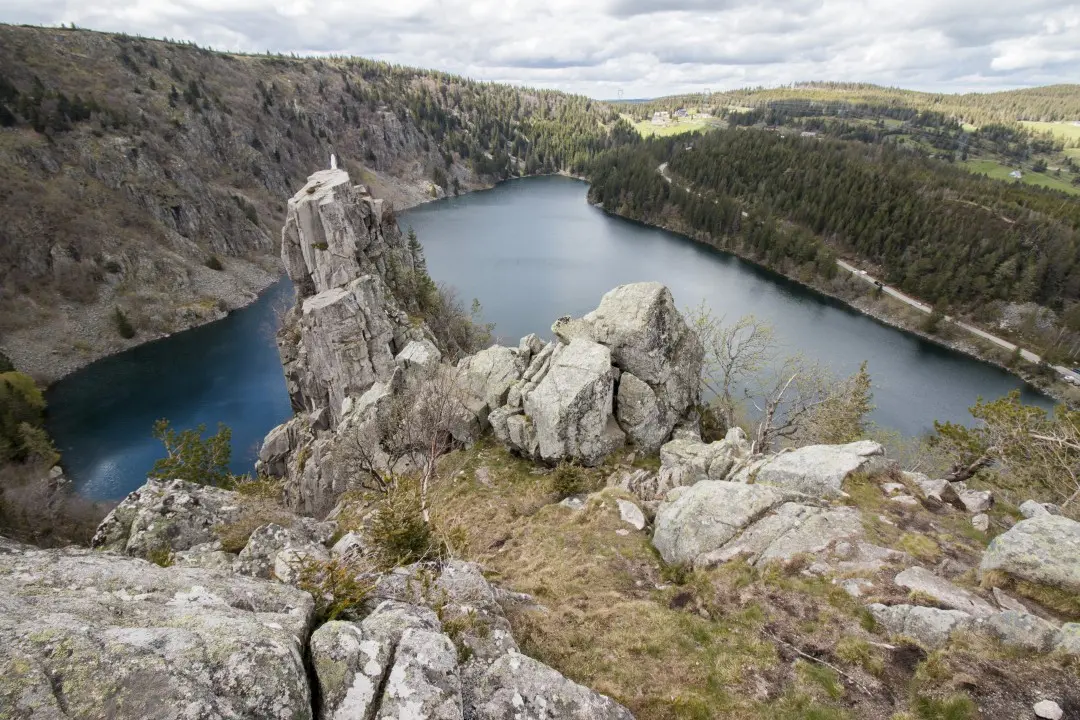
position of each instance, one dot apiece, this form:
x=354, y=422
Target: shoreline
x=892, y=320
x=861, y=304
x=34, y=351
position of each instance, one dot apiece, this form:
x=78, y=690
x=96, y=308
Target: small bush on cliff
x=189, y=457
x=399, y=534
x=567, y=479
x=214, y=263
x=36, y=510
x=22, y=414
x=123, y=325
x=335, y=586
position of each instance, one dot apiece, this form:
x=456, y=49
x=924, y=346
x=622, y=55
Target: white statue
x=333, y=161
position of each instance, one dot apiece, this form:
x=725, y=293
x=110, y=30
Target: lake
x=530, y=251
x=101, y=416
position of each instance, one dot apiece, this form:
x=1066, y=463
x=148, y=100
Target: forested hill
x=1048, y=104
x=128, y=167
x=944, y=235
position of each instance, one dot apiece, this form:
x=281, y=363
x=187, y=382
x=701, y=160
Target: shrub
x=214, y=263
x=398, y=534
x=567, y=479
x=35, y=510
x=932, y=323
x=5, y=364
x=335, y=586
x=36, y=444
x=123, y=325
x=161, y=556
x=190, y=457
x=22, y=410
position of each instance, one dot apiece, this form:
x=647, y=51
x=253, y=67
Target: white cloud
x=642, y=47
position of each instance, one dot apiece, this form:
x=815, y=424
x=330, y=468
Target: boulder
x=516, y=687
x=165, y=515
x=1030, y=509
x=418, y=353
x=350, y=547
x=273, y=551
x=649, y=339
x=1022, y=630
x=706, y=516
x=126, y=639
x=1043, y=550
x=529, y=346
x=488, y=375
x=352, y=662
x=816, y=470
x=571, y=408
x=631, y=514
x=687, y=460
x=638, y=413
x=939, y=491
x=647, y=486
x=789, y=531
x=948, y=594
x=1067, y=640
x=980, y=522
x=1048, y=710
x=976, y=501
x=424, y=682
x=929, y=626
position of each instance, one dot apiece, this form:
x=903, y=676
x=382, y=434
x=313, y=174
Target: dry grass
x=256, y=512
x=735, y=642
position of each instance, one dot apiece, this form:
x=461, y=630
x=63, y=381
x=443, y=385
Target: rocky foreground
x=686, y=579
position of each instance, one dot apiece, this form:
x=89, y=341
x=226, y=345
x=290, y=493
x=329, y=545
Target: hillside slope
x=132, y=169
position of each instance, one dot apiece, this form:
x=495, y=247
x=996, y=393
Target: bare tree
x=734, y=354
x=411, y=428
x=794, y=400
x=786, y=400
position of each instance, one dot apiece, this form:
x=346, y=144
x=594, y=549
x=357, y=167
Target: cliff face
x=348, y=261
x=367, y=378
x=131, y=169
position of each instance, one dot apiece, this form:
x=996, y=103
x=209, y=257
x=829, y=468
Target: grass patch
x=678, y=126
x=956, y=707
x=671, y=642
x=256, y=512
x=1064, y=602
x=858, y=652
x=1000, y=171
x=920, y=546
x=1063, y=130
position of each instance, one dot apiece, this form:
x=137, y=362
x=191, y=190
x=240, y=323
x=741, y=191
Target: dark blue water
x=101, y=417
x=531, y=251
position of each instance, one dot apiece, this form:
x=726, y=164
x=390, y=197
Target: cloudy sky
x=643, y=48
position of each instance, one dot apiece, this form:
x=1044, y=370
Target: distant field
x=1063, y=130
x=645, y=128
x=999, y=171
